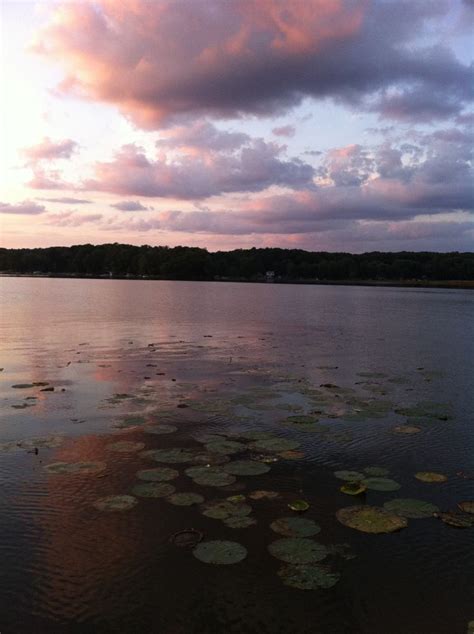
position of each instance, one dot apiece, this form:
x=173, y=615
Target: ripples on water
x=242, y=357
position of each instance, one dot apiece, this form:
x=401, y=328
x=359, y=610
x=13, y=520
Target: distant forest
x=188, y=263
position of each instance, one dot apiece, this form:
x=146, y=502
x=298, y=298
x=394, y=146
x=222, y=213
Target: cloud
x=199, y=170
x=27, y=207
x=47, y=179
x=71, y=219
x=130, y=205
x=67, y=200
x=286, y=130
x=159, y=60
x=49, y=150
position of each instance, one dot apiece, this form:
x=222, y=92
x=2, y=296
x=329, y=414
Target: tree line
x=191, y=263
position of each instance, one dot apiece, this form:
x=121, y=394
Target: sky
x=338, y=125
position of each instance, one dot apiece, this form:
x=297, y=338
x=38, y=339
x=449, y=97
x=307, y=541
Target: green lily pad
x=412, y=509
x=222, y=509
x=370, y=519
x=153, y=489
x=130, y=421
x=210, y=459
x=299, y=506
x=246, y=468
x=227, y=447
x=239, y=522
x=115, y=503
x=23, y=386
x=185, y=499
x=378, y=472
x=83, y=468
x=349, y=476
x=176, y=455
x=457, y=520
x=160, y=429
x=292, y=454
x=430, y=476
x=255, y=435
x=263, y=495
x=308, y=577
x=266, y=458
x=295, y=527
x=220, y=552
x=467, y=506
x=210, y=476
x=353, y=488
x=237, y=498
x=160, y=474
x=297, y=550
x=274, y=444
x=381, y=484
x=406, y=429
x=125, y=446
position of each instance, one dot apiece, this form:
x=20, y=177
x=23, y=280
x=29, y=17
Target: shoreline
x=447, y=284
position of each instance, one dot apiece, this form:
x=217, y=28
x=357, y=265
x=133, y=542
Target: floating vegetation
x=227, y=447
x=176, y=455
x=378, y=472
x=255, y=435
x=185, y=499
x=353, y=488
x=187, y=538
x=223, y=509
x=308, y=577
x=160, y=428
x=349, y=476
x=263, y=495
x=129, y=421
x=275, y=444
x=153, y=489
x=220, y=552
x=115, y=503
x=160, y=474
x=210, y=459
x=467, y=506
x=29, y=444
x=125, y=446
x=297, y=550
x=426, y=409
x=295, y=527
x=84, y=468
x=406, y=429
x=292, y=454
x=410, y=508
x=264, y=457
x=239, y=521
x=457, y=520
x=381, y=484
x=246, y=468
x=299, y=506
x=210, y=476
x=430, y=476
x=23, y=386
x=370, y=519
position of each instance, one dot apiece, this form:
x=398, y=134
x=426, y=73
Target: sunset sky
x=317, y=124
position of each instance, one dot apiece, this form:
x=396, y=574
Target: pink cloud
x=71, y=219
x=286, y=131
x=27, y=207
x=50, y=150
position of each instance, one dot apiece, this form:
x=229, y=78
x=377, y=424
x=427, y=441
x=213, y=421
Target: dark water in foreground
x=242, y=358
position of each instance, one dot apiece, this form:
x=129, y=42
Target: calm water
x=122, y=355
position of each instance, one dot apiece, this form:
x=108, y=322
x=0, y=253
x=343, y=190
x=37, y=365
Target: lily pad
x=210, y=459
x=412, y=509
x=406, y=429
x=353, y=488
x=381, y=484
x=299, y=506
x=125, y=446
x=349, y=476
x=275, y=444
x=115, y=503
x=297, y=550
x=160, y=474
x=266, y=458
x=378, y=472
x=430, y=476
x=227, y=447
x=246, y=468
x=222, y=509
x=160, y=429
x=187, y=538
x=239, y=522
x=455, y=519
x=176, y=455
x=308, y=577
x=467, y=506
x=370, y=519
x=220, y=552
x=210, y=476
x=255, y=435
x=292, y=454
x=295, y=527
x=23, y=386
x=185, y=499
x=263, y=495
x=153, y=489
x=82, y=468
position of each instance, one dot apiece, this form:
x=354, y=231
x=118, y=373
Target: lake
x=148, y=389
